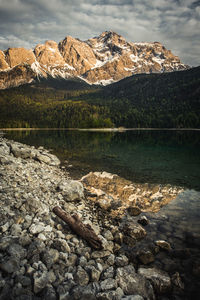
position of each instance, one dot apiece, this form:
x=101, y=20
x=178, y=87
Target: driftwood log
x=75, y=223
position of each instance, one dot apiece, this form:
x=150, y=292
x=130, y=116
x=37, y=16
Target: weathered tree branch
x=85, y=231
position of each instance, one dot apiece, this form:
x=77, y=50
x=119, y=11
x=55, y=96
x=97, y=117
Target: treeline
x=154, y=100
x=22, y=111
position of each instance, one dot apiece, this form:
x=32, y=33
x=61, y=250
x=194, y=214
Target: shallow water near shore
x=161, y=157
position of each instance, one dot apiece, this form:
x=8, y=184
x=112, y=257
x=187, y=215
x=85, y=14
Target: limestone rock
x=9, y=266
x=110, y=295
x=143, y=220
x=94, y=273
x=61, y=245
x=108, y=273
x=177, y=281
x=133, y=297
x=159, y=279
x=49, y=293
x=108, y=284
x=163, y=245
x=50, y=257
x=132, y=283
x=132, y=232
x=81, y=276
x=134, y=211
x=146, y=257
x=105, y=204
x=4, y=149
x=40, y=281
x=100, y=254
x=6, y=241
x=108, y=235
x=48, y=158
x=83, y=292
x=17, y=251
x=72, y=190
x=121, y=261
x=19, y=151
x=36, y=228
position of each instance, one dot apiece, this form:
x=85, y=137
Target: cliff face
x=20, y=74
x=100, y=60
x=77, y=54
x=16, y=56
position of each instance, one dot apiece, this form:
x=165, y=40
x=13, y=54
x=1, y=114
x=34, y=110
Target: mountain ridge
x=101, y=60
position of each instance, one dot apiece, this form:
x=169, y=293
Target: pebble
x=81, y=277
x=9, y=266
x=163, y=245
x=146, y=257
x=108, y=284
x=121, y=261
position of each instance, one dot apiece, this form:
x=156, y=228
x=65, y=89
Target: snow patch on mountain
x=36, y=67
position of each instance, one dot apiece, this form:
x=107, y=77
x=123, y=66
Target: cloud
x=174, y=23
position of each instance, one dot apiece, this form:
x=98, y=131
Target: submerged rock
x=143, y=221
x=163, y=245
x=146, y=257
x=132, y=283
x=159, y=279
x=126, y=194
x=132, y=232
x=134, y=210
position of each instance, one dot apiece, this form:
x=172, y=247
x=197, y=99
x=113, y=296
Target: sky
x=174, y=23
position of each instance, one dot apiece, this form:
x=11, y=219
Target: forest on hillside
x=167, y=100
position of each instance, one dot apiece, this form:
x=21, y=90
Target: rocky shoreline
x=41, y=258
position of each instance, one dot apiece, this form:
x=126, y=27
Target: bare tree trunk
x=85, y=231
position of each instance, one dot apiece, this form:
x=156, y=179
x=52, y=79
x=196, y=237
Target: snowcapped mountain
x=99, y=60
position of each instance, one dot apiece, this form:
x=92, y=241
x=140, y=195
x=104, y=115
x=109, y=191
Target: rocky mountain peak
x=99, y=60
x=77, y=54
x=16, y=56
x=111, y=36
x=48, y=54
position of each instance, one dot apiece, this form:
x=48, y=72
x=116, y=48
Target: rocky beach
x=42, y=258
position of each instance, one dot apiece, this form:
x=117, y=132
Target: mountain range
x=100, y=60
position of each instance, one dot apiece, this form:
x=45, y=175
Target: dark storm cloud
x=175, y=23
